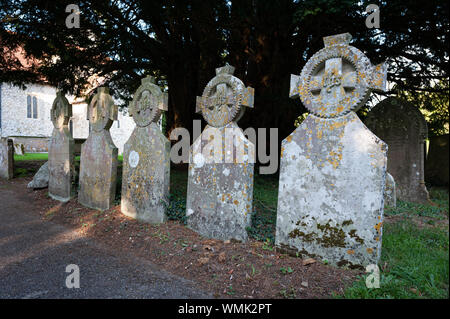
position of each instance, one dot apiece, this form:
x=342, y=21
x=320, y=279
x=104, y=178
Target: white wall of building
x=14, y=121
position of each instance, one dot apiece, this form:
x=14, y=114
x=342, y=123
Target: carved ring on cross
x=148, y=103
x=102, y=111
x=223, y=97
x=337, y=79
x=61, y=111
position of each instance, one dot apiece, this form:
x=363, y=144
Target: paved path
x=34, y=255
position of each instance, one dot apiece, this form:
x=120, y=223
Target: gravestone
x=6, y=158
x=98, y=163
x=332, y=168
x=60, y=155
x=146, y=158
x=221, y=162
x=40, y=179
x=403, y=128
x=390, y=196
x=437, y=163
x=19, y=149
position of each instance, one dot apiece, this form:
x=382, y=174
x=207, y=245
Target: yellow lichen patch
x=289, y=138
x=235, y=202
x=319, y=134
x=369, y=250
x=335, y=159
x=350, y=251
x=378, y=227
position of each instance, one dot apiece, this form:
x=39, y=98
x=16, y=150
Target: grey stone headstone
x=390, y=196
x=40, y=179
x=6, y=158
x=437, y=163
x=60, y=155
x=404, y=129
x=146, y=158
x=98, y=163
x=220, y=180
x=333, y=169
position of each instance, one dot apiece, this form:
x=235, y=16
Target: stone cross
x=61, y=148
x=98, y=164
x=338, y=79
x=223, y=98
x=220, y=193
x=101, y=111
x=148, y=102
x=146, y=158
x=332, y=168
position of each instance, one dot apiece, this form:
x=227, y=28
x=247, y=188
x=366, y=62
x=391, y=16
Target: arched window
x=29, y=114
x=32, y=107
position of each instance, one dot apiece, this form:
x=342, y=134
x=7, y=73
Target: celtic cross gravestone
x=221, y=162
x=146, y=158
x=60, y=155
x=333, y=169
x=98, y=163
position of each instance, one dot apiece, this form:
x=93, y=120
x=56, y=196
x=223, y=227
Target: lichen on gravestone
x=146, y=158
x=221, y=162
x=332, y=168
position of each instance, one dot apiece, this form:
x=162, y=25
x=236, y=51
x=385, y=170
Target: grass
x=44, y=157
x=31, y=157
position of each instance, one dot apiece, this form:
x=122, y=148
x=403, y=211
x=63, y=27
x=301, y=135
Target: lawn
x=43, y=157
x=31, y=157
x=415, y=249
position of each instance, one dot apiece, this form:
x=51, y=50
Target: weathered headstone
x=404, y=129
x=437, y=163
x=390, y=196
x=98, y=164
x=60, y=155
x=40, y=179
x=333, y=169
x=6, y=158
x=19, y=149
x=146, y=158
x=221, y=162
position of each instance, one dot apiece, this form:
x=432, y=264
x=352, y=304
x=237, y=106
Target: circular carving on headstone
x=61, y=111
x=145, y=107
x=335, y=81
x=133, y=159
x=223, y=96
x=100, y=109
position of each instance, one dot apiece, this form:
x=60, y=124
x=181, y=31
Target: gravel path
x=34, y=255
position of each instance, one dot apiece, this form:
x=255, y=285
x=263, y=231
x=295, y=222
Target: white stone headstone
x=146, y=158
x=221, y=162
x=333, y=169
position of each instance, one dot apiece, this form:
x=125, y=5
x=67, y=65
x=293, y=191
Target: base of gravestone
x=98, y=171
x=220, y=194
x=146, y=175
x=60, y=165
x=332, y=180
